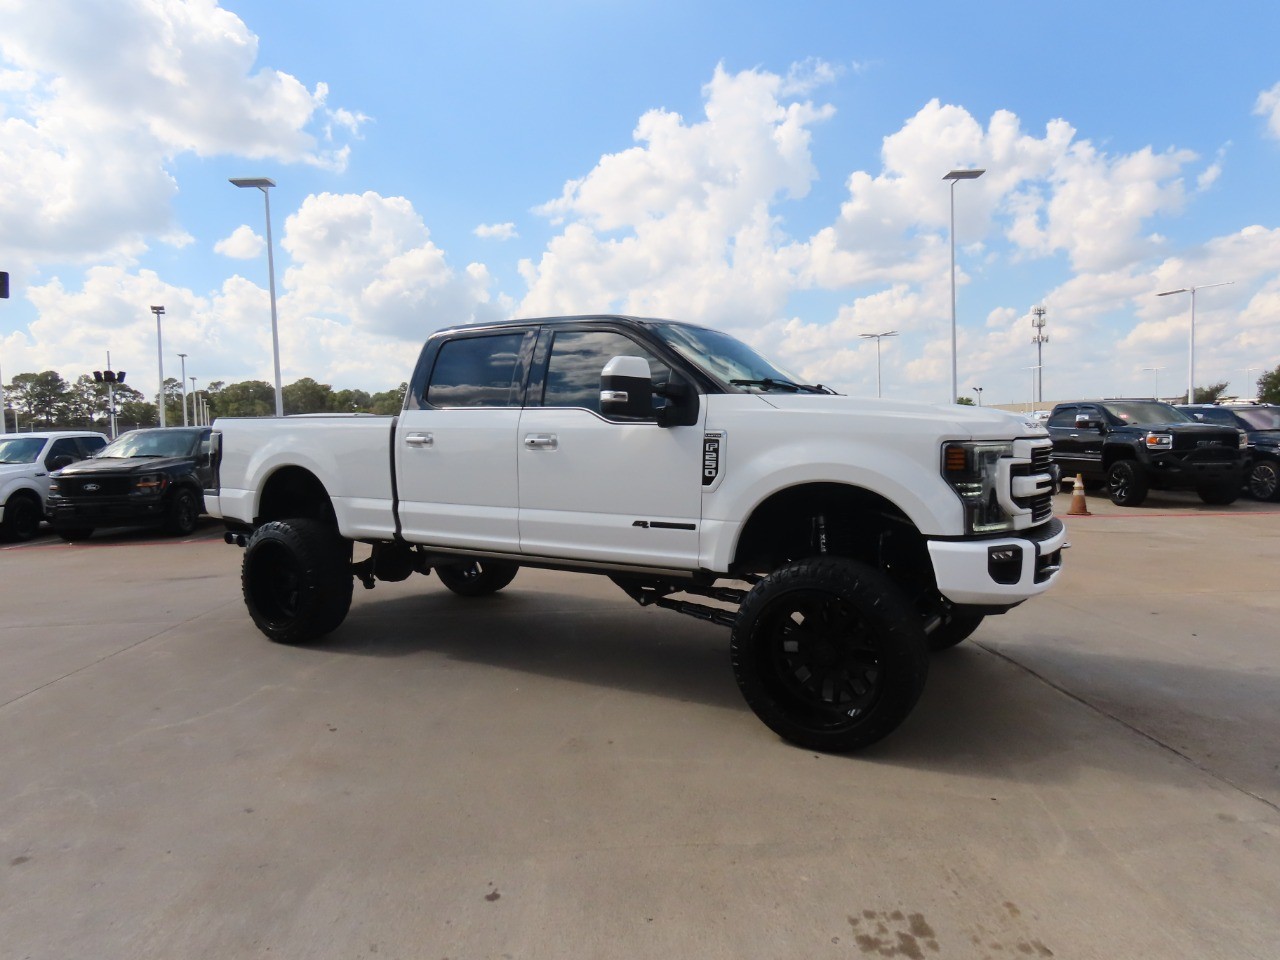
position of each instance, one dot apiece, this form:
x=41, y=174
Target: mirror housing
x=626, y=389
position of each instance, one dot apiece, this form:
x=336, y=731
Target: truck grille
x=1041, y=505
x=95, y=486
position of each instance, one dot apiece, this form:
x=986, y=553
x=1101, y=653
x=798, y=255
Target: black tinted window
x=577, y=357
x=91, y=445
x=1214, y=415
x=477, y=372
x=1063, y=418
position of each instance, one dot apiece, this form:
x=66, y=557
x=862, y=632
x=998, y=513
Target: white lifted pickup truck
x=839, y=539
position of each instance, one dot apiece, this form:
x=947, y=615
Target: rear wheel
x=21, y=518
x=1126, y=484
x=296, y=579
x=1264, y=480
x=956, y=630
x=183, y=513
x=477, y=578
x=829, y=654
x=1220, y=494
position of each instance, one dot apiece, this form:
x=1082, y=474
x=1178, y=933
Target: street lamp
x=264, y=184
x=978, y=391
x=954, y=176
x=878, y=337
x=1191, y=341
x=159, y=312
x=195, y=416
x=110, y=378
x=183, y=381
x=1155, y=371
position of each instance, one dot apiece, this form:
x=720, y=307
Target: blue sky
x=774, y=170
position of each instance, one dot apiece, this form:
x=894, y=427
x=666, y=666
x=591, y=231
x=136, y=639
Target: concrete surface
x=555, y=772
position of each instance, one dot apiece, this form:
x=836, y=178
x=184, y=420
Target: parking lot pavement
x=555, y=772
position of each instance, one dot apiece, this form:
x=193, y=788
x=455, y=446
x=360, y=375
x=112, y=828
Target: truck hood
x=125, y=465
x=955, y=420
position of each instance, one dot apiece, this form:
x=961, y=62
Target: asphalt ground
x=555, y=772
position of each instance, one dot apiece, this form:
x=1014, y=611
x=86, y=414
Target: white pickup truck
x=839, y=539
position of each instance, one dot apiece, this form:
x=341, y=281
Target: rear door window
x=478, y=372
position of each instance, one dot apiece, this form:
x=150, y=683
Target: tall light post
x=159, y=312
x=195, y=414
x=978, y=391
x=1191, y=340
x=878, y=337
x=4, y=295
x=954, y=176
x=1040, y=339
x=183, y=381
x=1155, y=371
x=265, y=184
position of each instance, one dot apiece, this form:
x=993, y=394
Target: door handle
x=419, y=439
x=545, y=441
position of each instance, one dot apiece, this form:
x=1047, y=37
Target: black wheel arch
x=292, y=492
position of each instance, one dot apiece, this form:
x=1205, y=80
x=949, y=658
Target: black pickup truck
x=1137, y=445
x=142, y=477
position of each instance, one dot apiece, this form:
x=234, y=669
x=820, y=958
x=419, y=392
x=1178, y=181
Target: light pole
x=1155, y=371
x=159, y=312
x=183, y=381
x=1191, y=339
x=878, y=337
x=1040, y=339
x=954, y=176
x=978, y=391
x=110, y=378
x=195, y=411
x=264, y=184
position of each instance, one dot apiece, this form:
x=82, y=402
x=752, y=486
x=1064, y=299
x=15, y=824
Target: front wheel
x=21, y=518
x=296, y=579
x=1264, y=480
x=829, y=654
x=476, y=578
x=1126, y=484
x=183, y=514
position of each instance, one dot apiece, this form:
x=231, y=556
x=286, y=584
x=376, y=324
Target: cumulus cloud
x=243, y=244
x=1268, y=106
x=496, y=231
x=98, y=97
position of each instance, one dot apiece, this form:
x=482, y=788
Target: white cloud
x=98, y=97
x=243, y=244
x=496, y=231
x=1268, y=106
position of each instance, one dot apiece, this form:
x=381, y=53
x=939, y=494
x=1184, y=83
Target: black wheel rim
x=26, y=521
x=187, y=514
x=823, y=659
x=1119, y=483
x=1263, y=481
x=275, y=582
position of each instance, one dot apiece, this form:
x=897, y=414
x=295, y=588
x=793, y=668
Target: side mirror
x=1088, y=421
x=626, y=389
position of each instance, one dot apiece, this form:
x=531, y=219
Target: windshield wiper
x=770, y=382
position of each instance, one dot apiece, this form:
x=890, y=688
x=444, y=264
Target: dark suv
x=1137, y=445
x=1261, y=423
x=142, y=477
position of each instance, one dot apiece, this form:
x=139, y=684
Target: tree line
x=44, y=401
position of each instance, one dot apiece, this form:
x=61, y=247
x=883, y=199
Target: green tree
x=1269, y=386
x=389, y=401
x=41, y=396
x=351, y=401
x=249, y=398
x=965, y=401
x=307, y=396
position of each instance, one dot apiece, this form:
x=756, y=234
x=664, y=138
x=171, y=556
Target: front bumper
x=106, y=512
x=1192, y=470
x=999, y=571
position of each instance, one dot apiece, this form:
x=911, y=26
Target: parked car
x=1136, y=445
x=26, y=460
x=1261, y=424
x=155, y=476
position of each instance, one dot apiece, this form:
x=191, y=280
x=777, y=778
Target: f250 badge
x=712, y=450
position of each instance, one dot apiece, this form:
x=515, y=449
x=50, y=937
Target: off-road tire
x=21, y=518
x=182, y=515
x=296, y=579
x=829, y=654
x=1127, y=484
x=958, y=629
x=477, y=578
x=1264, y=480
x=1219, y=494
x=74, y=534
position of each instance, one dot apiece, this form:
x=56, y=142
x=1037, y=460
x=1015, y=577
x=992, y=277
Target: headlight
x=150, y=483
x=1159, y=441
x=1244, y=440
x=972, y=471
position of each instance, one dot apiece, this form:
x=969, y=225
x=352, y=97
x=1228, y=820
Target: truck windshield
x=153, y=443
x=20, y=450
x=728, y=359
x=1145, y=412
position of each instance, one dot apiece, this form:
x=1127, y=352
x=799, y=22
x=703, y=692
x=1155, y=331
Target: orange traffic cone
x=1078, y=507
